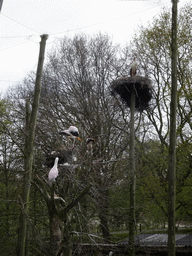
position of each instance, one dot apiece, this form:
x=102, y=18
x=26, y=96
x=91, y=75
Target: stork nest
x=64, y=157
x=142, y=87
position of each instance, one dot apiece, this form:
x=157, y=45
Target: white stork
x=133, y=68
x=90, y=142
x=53, y=172
x=72, y=132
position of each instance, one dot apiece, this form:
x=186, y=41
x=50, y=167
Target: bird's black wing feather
x=64, y=133
x=74, y=133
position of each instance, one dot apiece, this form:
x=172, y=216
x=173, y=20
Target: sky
x=23, y=21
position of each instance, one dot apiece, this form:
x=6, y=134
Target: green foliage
x=119, y=205
x=184, y=180
x=4, y=111
x=117, y=237
x=152, y=183
x=88, y=238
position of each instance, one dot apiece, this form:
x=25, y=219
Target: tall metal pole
x=172, y=145
x=132, y=179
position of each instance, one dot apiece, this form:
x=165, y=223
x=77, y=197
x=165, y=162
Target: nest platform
x=142, y=87
x=64, y=157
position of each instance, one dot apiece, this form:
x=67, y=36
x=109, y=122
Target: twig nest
x=142, y=87
x=63, y=155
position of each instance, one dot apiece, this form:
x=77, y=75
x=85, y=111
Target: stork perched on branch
x=90, y=142
x=72, y=132
x=133, y=68
x=53, y=172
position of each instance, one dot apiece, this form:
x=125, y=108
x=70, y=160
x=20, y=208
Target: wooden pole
x=1, y=4
x=31, y=118
x=172, y=145
x=132, y=179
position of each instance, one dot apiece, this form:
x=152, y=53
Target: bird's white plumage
x=90, y=142
x=72, y=132
x=133, y=68
x=65, y=132
x=53, y=172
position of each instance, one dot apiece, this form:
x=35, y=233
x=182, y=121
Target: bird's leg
x=73, y=145
x=68, y=142
x=73, y=142
x=91, y=148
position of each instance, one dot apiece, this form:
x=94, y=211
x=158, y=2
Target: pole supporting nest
x=136, y=93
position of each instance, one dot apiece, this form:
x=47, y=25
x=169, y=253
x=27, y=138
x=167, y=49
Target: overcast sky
x=23, y=21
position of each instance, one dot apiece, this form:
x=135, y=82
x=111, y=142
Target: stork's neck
x=56, y=161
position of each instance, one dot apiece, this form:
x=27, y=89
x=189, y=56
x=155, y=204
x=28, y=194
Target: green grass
x=117, y=237
x=165, y=231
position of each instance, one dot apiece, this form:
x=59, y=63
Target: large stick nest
x=142, y=87
x=63, y=155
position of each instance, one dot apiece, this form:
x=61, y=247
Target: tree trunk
x=105, y=227
x=132, y=179
x=55, y=224
x=103, y=215
x=55, y=234
x=67, y=248
x=60, y=237
x=103, y=208
x=31, y=118
x=172, y=145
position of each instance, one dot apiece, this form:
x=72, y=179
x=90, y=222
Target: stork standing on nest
x=72, y=132
x=133, y=68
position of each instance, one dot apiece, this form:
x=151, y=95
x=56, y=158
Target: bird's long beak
x=78, y=138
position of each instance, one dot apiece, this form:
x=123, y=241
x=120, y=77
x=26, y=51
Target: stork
x=53, y=172
x=66, y=133
x=90, y=142
x=72, y=132
x=133, y=68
